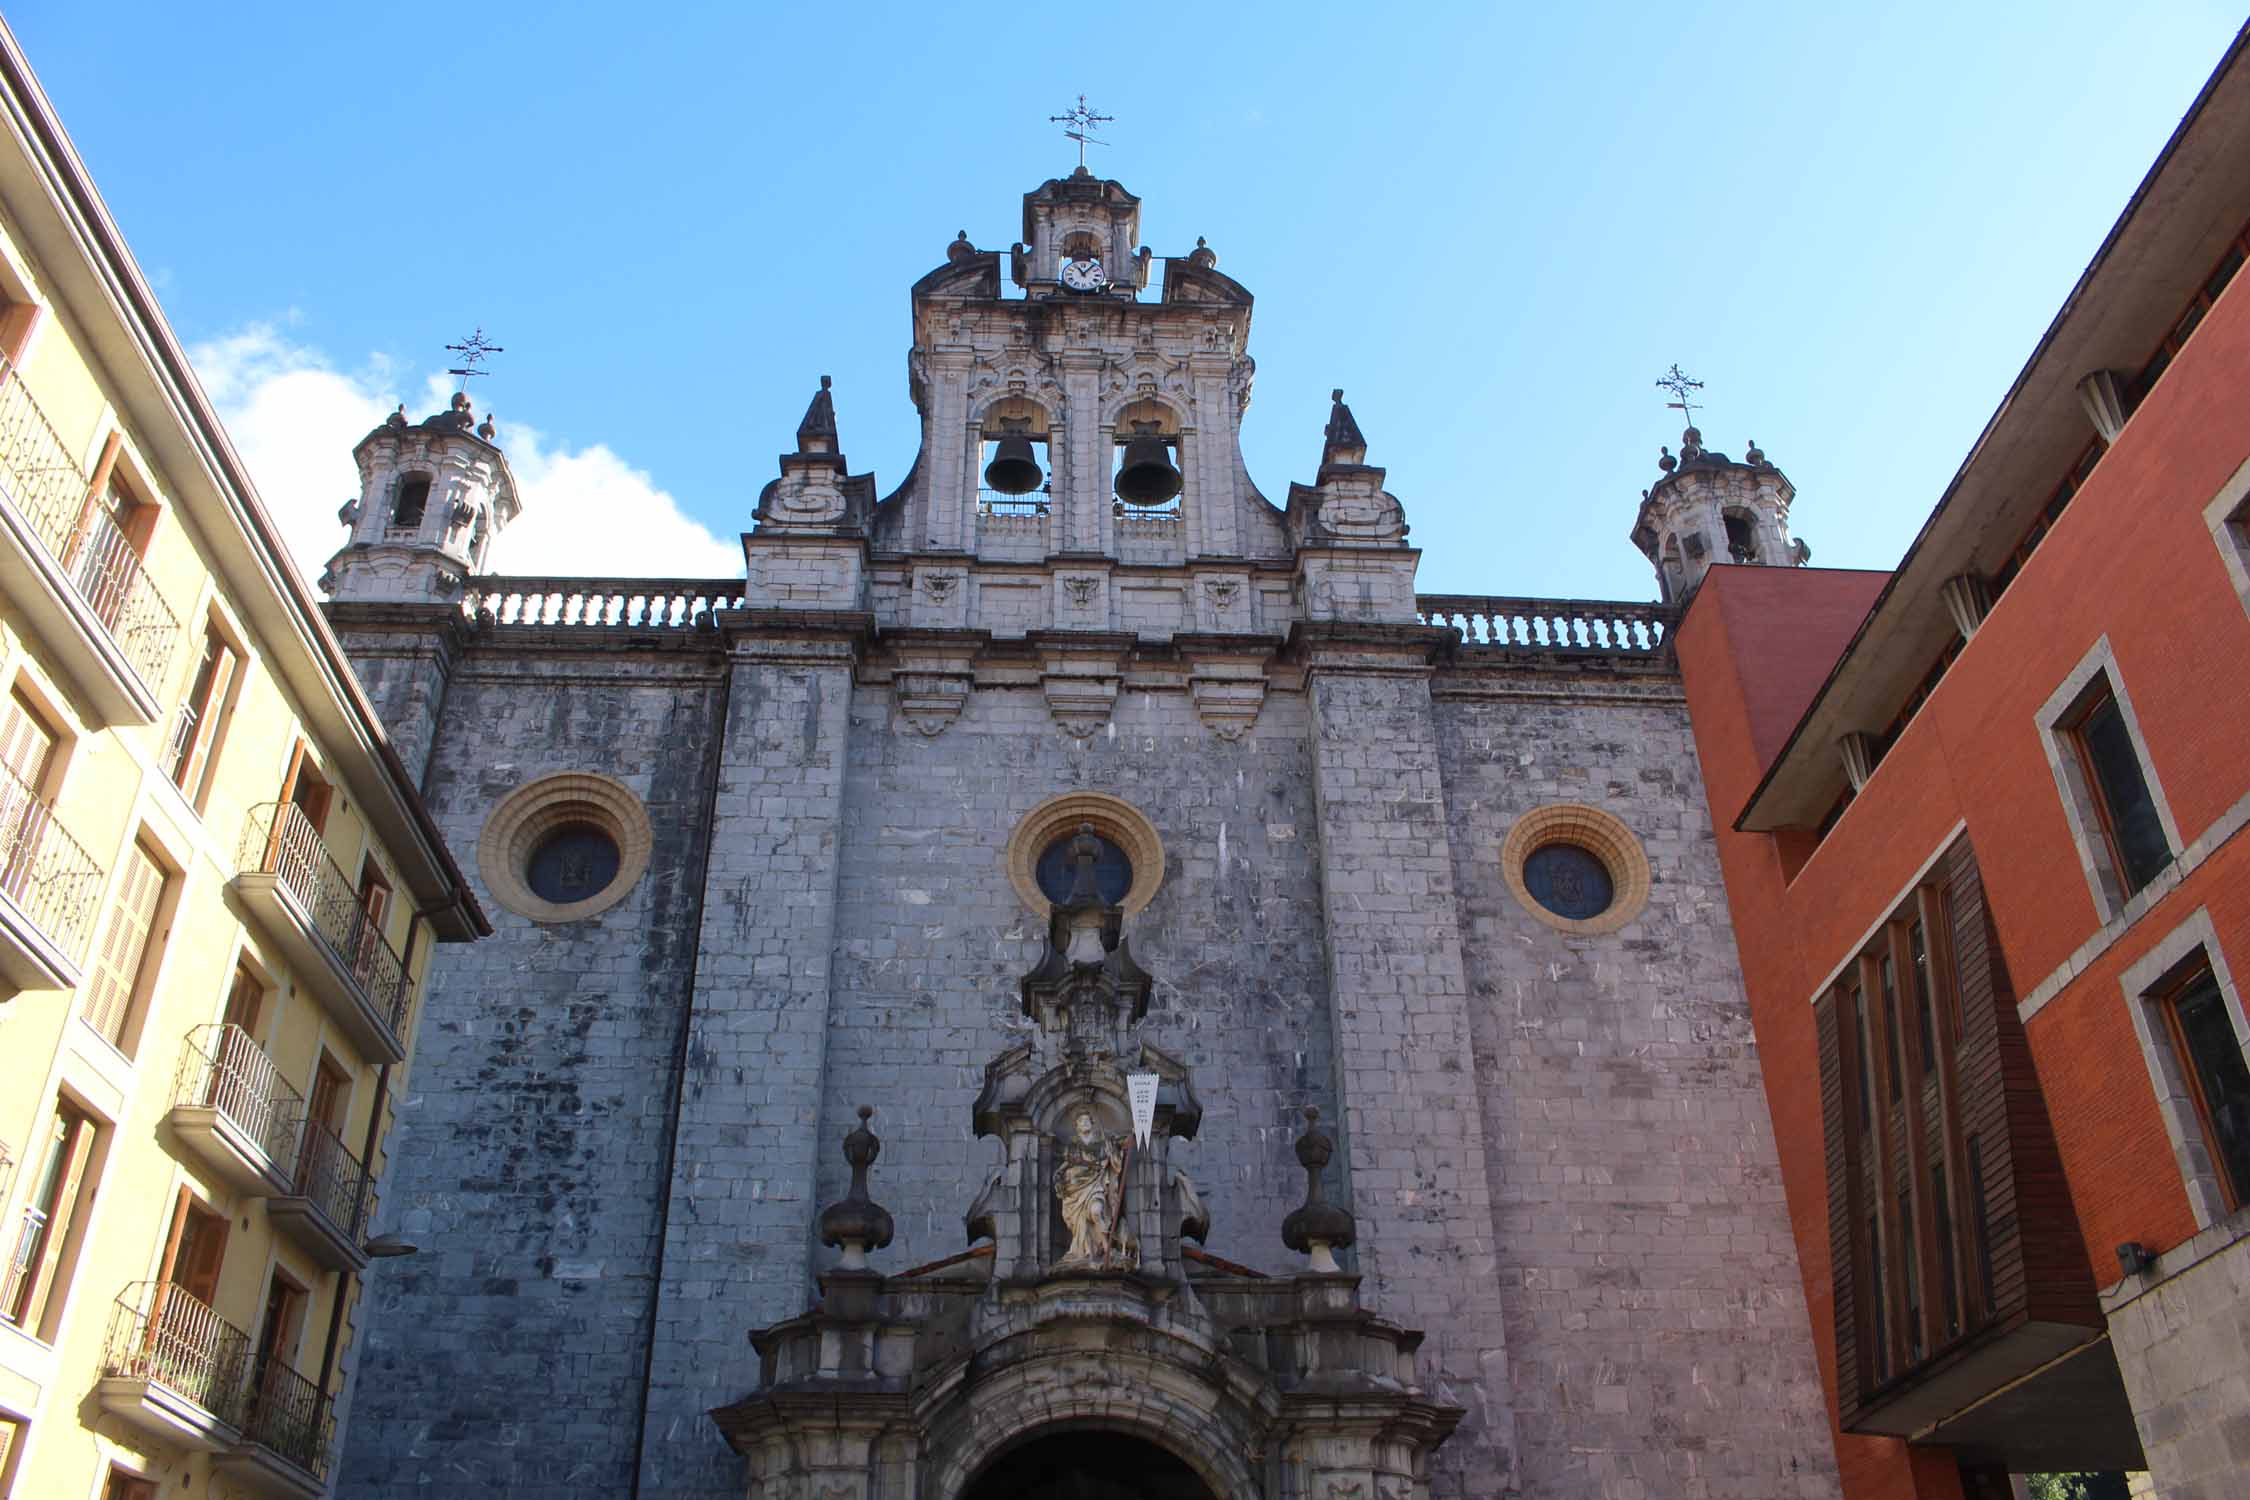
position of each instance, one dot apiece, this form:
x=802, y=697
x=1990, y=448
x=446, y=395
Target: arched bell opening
x=1742, y=534
x=1084, y=1463
x=1015, y=476
x=1147, y=475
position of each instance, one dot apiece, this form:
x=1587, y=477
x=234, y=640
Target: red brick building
x=1981, y=824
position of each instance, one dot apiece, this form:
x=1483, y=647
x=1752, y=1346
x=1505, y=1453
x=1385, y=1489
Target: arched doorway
x=1087, y=1465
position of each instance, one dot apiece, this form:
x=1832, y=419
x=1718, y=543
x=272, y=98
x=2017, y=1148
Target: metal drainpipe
x=347, y=1280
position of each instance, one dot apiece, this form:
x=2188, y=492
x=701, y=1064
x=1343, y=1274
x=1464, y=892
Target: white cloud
x=295, y=417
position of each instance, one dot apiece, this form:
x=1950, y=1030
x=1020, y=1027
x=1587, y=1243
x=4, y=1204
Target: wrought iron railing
x=1566, y=626
x=289, y=1415
x=54, y=495
x=644, y=603
x=163, y=1333
x=43, y=870
x=222, y=1068
x=1037, y=505
x=331, y=1179
x=281, y=841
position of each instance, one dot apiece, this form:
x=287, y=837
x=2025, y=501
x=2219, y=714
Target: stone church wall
x=1623, y=1319
x=507, y=1357
x=1658, y=1341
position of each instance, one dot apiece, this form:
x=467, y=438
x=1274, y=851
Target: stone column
x=738, y=1238
x=1412, y=1133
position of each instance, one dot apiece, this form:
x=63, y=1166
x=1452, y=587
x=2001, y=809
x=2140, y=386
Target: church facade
x=919, y=963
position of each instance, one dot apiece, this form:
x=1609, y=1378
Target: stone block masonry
x=1412, y=1133
x=1658, y=1339
x=738, y=1218
x=508, y=1357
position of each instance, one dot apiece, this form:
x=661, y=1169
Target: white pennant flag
x=1141, y=1088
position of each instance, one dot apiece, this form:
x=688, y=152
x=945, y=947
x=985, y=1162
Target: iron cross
x=1079, y=126
x=472, y=350
x=1677, y=382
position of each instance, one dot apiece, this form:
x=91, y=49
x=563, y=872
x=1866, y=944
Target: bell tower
x=1090, y=415
x=432, y=496
x=1707, y=508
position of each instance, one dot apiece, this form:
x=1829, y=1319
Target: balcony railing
x=281, y=841
x=288, y=1414
x=1576, y=627
x=330, y=1177
x=53, y=494
x=43, y=870
x=163, y=1334
x=643, y=603
x=222, y=1068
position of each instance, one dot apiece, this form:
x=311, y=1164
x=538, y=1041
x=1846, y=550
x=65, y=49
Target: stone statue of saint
x=1090, y=1182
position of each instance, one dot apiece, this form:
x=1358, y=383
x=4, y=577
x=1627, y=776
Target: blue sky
x=1494, y=227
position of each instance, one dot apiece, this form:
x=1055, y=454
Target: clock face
x=1083, y=275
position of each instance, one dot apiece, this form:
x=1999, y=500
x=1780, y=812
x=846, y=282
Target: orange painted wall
x=2131, y=558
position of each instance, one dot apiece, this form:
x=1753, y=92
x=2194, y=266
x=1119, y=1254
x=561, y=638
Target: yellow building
x=218, y=897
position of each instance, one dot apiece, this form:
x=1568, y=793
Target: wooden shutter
x=201, y=1251
x=26, y=743
x=213, y=680
x=117, y=966
x=327, y=1091
x=75, y=1136
x=244, y=1000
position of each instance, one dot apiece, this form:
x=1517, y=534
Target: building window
x=1879, y=1350
x=124, y=1486
x=1742, y=537
x=1856, y=1009
x=565, y=847
x=1918, y=954
x=1890, y=1173
x=2111, y=797
x=127, y=949
x=195, y=734
x=413, y=501
x=36, y=1277
x=1890, y=1025
x=2131, y=830
x=578, y=862
x=1576, y=868
x=2218, y=1081
x=1568, y=880
x=1948, y=1266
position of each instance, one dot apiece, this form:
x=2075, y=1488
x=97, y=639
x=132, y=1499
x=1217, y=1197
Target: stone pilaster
x=1412, y=1133
x=738, y=1240
x=404, y=656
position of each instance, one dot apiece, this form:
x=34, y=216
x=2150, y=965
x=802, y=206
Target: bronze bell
x=1147, y=477
x=1013, y=471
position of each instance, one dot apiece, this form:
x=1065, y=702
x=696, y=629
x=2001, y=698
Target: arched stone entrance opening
x=1087, y=1464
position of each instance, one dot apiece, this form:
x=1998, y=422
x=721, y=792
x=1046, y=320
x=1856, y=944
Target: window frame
x=2148, y=987
x=2233, y=1193
x=2228, y=517
x=2084, y=807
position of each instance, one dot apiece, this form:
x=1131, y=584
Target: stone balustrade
x=1568, y=626
x=648, y=603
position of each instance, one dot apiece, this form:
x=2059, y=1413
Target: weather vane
x=1081, y=122
x=472, y=350
x=1677, y=382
